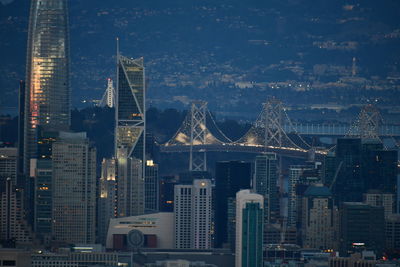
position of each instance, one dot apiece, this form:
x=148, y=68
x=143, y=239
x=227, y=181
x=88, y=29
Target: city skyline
x=313, y=180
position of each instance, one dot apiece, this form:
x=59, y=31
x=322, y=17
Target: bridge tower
x=198, y=135
x=369, y=122
x=272, y=121
x=367, y=125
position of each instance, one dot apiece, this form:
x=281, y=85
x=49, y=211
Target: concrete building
x=15, y=257
x=78, y=259
x=157, y=230
x=74, y=189
x=295, y=171
x=8, y=164
x=318, y=220
x=193, y=215
x=14, y=229
x=130, y=193
x=107, y=203
x=249, y=229
x=377, y=198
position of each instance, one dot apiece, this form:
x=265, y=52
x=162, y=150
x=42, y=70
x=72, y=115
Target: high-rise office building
x=130, y=181
x=192, y=209
x=359, y=166
x=13, y=222
x=42, y=176
x=265, y=184
x=47, y=97
x=14, y=229
x=8, y=164
x=107, y=203
x=392, y=232
x=378, y=199
x=130, y=112
x=361, y=227
x=348, y=183
x=230, y=177
x=130, y=132
x=249, y=229
x=166, y=193
x=151, y=187
x=380, y=170
x=74, y=189
x=319, y=215
x=295, y=171
x=43, y=201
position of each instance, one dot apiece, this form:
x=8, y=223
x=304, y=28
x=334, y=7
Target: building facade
x=361, y=227
x=130, y=132
x=107, y=203
x=151, y=190
x=249, y=229
x=47, y=95
x=265, y=184
x=295, y=171
x=193, y=215
x=230, y=177
x=318, y=220
x=74, y=189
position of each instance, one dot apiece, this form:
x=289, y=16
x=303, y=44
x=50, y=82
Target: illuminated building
x=156, y=229
x=192, y=209
x=107, y=203
x=74, y=189
x=318, y=220
x=130, y=135
x=130, y=193
x=151, y=187
x=249, y=229
x=47, y=97
x=108, y=98
x=166, y=191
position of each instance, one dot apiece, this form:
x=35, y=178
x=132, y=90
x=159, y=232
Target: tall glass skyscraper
x=47, y=98
x=130, y=109
x=130, y=135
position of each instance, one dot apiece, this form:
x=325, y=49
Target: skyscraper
x=230, y=177
x=151, y=190
x=74, y=189
x=249, y=229
x=130, y=109
x=192, y=209
x=265, y=184
x=130, y=135
x=47, y=97
x=107, y=203
x=295, y=171
x=318, y=218
x=361, y=227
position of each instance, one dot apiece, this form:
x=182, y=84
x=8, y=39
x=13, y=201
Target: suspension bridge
x=272, y=131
